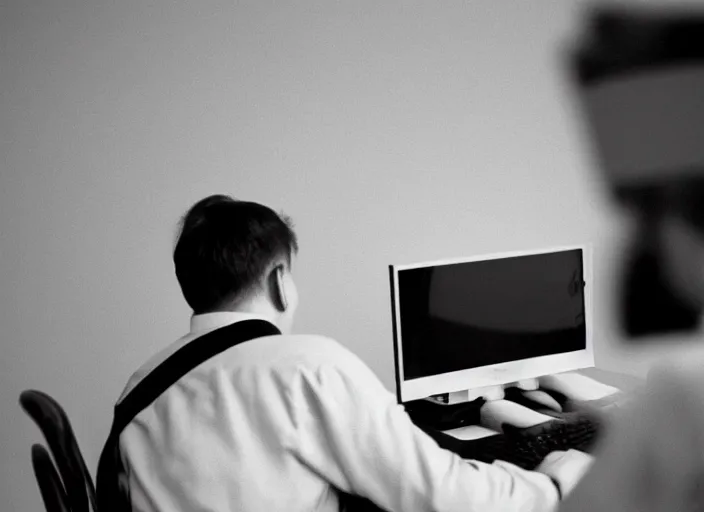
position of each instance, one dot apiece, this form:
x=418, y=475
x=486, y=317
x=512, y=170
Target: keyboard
x=526, y=448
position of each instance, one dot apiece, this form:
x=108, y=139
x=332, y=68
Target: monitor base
x=525, y=384
x=488, y=393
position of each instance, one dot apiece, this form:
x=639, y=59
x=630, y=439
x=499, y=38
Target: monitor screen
x=467, y=315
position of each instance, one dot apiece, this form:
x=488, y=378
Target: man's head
x=236, y=256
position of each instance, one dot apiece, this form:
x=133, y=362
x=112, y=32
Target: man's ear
x=278, y=288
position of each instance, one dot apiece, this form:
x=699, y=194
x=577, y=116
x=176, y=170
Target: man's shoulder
x=314, y=349
x=313, y=340
x=152, y=363
x=323, y=359
x=283, y=353
x=297, y=353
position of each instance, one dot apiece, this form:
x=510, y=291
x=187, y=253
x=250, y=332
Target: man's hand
x=567, y=467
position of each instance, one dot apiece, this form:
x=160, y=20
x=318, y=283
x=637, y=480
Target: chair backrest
x=74, y=475
x=50, y=486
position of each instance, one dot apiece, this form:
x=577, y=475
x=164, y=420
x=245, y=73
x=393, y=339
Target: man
x=284, y=421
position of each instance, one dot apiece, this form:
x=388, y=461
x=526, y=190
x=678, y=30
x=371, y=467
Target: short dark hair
x=224, y=248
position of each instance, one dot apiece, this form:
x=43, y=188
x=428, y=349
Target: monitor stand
x=525, y=384
x=491, y=393
x=488, y=393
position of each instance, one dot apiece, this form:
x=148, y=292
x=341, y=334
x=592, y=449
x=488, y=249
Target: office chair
x=71, y=488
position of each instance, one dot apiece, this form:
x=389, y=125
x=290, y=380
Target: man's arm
x=351, y=431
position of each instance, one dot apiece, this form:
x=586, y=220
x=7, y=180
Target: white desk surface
x=471, y=432
x=625, y=383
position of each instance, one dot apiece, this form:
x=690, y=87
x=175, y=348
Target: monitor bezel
x=496, y=374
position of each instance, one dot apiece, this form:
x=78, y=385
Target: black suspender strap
x=112, y=488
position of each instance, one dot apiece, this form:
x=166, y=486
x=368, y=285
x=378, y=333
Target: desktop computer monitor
x=490, y=320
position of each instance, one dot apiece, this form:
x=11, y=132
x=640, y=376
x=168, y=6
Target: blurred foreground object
x=639, y=72
x=652, y=459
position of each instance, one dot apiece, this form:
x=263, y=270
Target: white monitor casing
x=471, y=383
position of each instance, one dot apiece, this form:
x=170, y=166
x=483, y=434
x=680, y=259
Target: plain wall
x=392, y=132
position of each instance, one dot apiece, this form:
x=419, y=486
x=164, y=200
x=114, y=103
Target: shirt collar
x=211, y=321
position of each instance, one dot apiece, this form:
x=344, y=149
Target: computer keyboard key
x=527, y=447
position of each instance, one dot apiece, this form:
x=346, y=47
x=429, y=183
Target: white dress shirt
x=283, y=422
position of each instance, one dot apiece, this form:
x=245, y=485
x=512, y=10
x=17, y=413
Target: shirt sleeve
x=350, y=430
